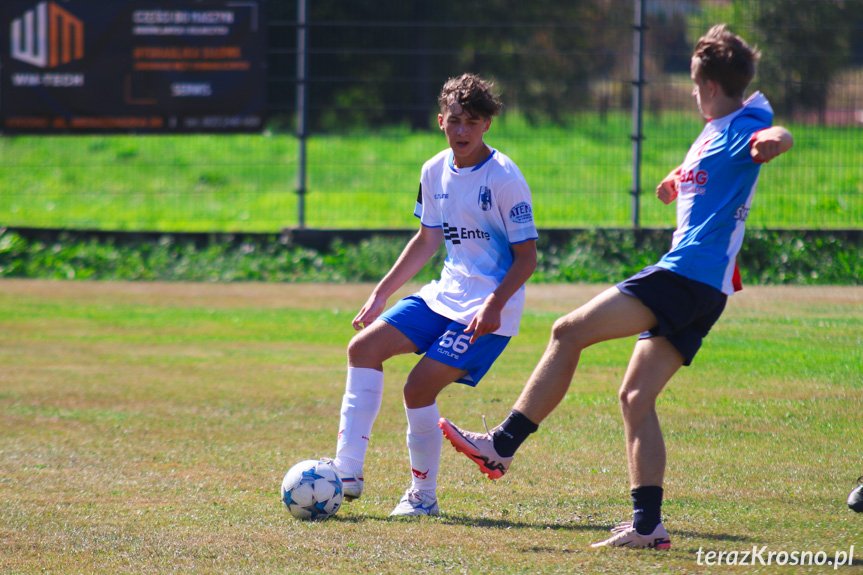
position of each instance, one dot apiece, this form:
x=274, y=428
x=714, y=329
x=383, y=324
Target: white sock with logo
x=361, y=403
x=424, y=444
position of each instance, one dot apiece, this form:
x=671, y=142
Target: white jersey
x=482, y=209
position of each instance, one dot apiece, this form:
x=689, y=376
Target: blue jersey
x=717, y=182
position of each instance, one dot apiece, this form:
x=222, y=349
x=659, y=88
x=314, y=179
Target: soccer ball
x=312, y=489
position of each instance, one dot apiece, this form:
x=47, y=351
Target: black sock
x=646, y=505
x=512, y=433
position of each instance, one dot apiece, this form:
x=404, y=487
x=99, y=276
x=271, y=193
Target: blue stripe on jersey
x=452, y=167
x=718, y=180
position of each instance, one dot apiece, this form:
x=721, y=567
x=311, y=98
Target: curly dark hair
x=473, y=94
x=726, y=59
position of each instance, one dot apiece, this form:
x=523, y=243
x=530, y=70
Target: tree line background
x=373, y=63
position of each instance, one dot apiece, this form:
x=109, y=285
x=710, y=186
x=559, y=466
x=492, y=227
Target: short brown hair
x=473, y=94
x=726, y=59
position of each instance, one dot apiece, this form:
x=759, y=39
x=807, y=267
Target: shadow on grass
x=454, y=519
x=507, y=524
x=711, y=536
x=487, y=523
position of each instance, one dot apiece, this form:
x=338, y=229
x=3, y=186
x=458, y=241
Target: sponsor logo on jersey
x=484, y=200
x=451, y=233
x=456, y=234
x=521, y=213
x=691, y=182
x=476, y=234
x=742, y=213
x=699, y=177
x=441, y=196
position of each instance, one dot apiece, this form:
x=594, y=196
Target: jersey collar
x=473, y=168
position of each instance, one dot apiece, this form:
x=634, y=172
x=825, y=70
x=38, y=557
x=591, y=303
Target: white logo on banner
x=47, y=36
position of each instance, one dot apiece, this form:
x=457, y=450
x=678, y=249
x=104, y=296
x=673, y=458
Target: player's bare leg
x=610, y=315
x=377, y=343
x=426, y=380
x=654, y=361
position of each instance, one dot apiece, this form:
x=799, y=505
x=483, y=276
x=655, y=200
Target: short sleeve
x=740, y=135
x=418, y=208
x=516, y=209
x=426, y=209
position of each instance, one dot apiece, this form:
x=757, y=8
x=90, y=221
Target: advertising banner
x=108, y=66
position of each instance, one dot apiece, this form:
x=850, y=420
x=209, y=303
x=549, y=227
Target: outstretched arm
x=487, y=319
x=666, y=191
x=769, y=143
x=412, y=259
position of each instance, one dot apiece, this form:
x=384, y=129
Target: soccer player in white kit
x=475, y=200
x=672, y=304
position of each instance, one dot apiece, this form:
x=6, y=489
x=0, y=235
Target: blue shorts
x=444, y=340
x=685, y=309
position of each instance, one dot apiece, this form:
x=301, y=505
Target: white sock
x=424, y=444
x=360, y=406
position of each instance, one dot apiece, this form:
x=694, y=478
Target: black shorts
x=685, y=309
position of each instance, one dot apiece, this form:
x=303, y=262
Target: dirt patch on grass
x=260, y=295
x=542, y=297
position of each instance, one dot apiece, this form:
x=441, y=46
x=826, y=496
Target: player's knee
x=362, y=352
x=566, y=333
x=355, y=348
x=634, y=400
x=415, y=394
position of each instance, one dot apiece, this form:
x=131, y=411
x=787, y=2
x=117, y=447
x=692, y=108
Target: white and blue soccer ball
x=312, y=489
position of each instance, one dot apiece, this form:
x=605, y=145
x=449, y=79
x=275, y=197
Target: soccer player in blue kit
x=475, y=200
x=672, y=304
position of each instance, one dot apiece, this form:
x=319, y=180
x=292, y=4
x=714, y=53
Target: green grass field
x=580, y=175
x=145, y=428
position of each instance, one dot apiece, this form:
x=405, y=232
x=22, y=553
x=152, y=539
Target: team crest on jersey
x=484, y=199
x=521, y=213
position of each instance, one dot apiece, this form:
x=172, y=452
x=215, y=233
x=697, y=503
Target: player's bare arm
x=666, y=191
x=416, y=254
x=487, y=319
x=769, y=143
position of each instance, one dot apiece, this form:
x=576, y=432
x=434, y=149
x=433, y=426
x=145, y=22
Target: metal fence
x=571, y=78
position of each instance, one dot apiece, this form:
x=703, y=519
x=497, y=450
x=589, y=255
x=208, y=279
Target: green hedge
x=595, y=256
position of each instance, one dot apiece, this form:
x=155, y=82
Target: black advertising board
x=108, y=66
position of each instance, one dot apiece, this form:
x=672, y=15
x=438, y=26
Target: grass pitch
x=579, y=172
x=146, y=427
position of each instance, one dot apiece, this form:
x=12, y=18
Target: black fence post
x=638, y=84
x=301, y=113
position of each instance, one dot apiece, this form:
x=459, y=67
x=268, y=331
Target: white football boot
x=625, y=535
x=416, y=502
